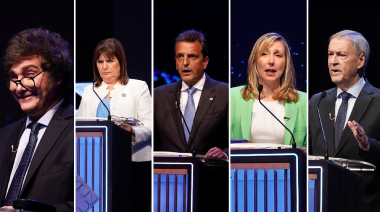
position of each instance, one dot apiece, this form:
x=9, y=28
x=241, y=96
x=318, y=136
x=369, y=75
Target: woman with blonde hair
x=270, y=65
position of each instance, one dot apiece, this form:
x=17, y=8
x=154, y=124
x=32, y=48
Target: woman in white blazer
x=124, y=97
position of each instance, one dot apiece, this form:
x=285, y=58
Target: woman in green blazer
x=271, y=66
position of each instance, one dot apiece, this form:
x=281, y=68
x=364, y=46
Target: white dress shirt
x=196, y=96
x=354, y=91
x=131, y=100
x=44, y=120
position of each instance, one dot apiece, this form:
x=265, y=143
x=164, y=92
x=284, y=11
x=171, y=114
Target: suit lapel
x=172, y=99
x=327, y=107
x=291, y=111
x=361, y=105
x=57, y=125
x=207, y=98
x=8, y=157
x=246, y=120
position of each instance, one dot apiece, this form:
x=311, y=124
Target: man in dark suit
x=37, y=152
x=350, y=112
x=202, y=100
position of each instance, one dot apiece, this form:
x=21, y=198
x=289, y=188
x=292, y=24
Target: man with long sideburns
x=37, y=152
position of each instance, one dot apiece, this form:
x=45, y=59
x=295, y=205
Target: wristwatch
x=133, y=140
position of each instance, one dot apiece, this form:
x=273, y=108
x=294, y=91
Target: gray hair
x=360, y=43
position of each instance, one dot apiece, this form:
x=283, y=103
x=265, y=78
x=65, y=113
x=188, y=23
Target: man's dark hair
x=192, y=36
x=56, y=57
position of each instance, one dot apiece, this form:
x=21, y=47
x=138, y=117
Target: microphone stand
x=294, y=145
x=93, y=85
x=323, y=95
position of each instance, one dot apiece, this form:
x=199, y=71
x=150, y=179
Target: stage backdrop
x=252, y=19
x=327, y=18
x=173, y=17
x=129, y=22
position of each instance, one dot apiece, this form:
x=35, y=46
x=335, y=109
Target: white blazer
x=131, y=100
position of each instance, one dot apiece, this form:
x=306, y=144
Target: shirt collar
x=354, y=90
x=199, y=85
x=104, y=86
x=46, y=118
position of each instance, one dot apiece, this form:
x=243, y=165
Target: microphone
x=294, y=145
x=323, y=95
x=93, y=85
x=184, y=121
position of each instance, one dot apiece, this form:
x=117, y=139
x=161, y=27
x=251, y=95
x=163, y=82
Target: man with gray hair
x=350, y=112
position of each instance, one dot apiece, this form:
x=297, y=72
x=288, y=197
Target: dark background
x=128, y=21
x=252, y=19
x=171, y=17
x=327, y=18
x=16, y=16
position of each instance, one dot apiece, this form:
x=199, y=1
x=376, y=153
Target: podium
x=103, y=155
x=272, y=179
x=190, y=184
x=336, y=188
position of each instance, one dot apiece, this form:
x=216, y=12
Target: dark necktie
x=189, y=112
x=18, y=178
x=341, y=118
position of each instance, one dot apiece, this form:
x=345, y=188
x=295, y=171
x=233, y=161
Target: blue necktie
x=189, y=112
x=18, y=178
x=341, y=118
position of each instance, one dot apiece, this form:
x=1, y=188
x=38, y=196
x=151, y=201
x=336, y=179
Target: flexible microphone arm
x=184, y=121
x=294, y=145
x=323, y=95
x=93, y=85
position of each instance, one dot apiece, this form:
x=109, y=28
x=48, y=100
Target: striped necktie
x=17, y=181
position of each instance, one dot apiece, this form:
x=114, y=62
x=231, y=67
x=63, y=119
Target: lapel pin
x=287, y=118
x=331, y=118
x=14, y=150
x=211, y=99
x=123, y=95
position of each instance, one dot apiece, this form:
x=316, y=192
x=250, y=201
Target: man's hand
x=215, y=152
x=359, y=134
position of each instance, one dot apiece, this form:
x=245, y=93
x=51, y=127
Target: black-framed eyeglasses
x=26, y=82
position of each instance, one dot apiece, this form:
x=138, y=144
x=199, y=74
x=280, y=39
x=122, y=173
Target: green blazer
x=241, y=117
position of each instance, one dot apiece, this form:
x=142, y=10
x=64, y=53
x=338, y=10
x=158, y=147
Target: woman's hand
x=8, y=207
x=128, y=128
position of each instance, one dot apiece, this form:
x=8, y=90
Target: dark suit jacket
x=50, y=177
x=366, y=112
x=210, y=126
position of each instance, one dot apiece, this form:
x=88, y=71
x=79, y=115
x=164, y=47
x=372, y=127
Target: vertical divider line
x=255, y=195
x=175, y=192
x=275, y=190
x=235, y=189
x=167, y=193
x=245, y=190
x=286, y=189
x=265, y=190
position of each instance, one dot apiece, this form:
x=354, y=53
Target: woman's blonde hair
x=287, y=91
